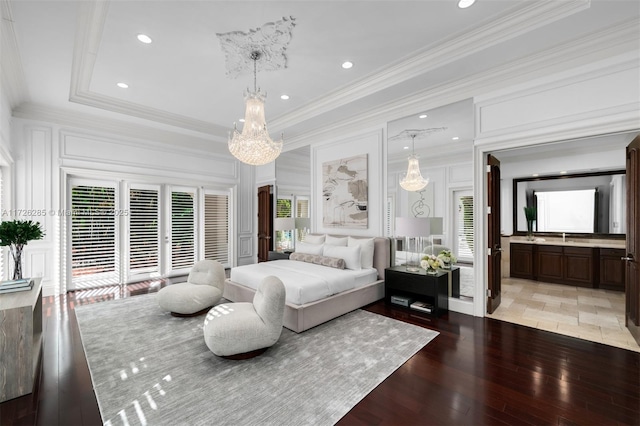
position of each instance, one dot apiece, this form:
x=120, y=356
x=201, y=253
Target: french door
x=93, y=221
x=122, y=232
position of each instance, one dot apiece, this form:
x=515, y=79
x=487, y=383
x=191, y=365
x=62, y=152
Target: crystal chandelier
x=254, y=145
x=413, y=180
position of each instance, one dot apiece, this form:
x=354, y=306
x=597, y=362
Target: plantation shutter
x=93, y=236
x=216, y=227
x=302, y=206
x=183, y=253
x=465, y=228
x=283, y=207
x=144, y=241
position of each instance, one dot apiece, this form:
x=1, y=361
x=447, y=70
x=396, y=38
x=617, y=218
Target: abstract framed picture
x=345, y=192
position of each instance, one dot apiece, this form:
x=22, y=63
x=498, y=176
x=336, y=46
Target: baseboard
x=461, y=306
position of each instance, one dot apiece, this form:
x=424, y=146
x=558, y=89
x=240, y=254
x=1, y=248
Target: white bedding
x=304, y=282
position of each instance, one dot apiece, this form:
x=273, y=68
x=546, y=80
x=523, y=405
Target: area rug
x=151, y=368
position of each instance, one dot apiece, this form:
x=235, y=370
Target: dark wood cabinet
x=418, y=286
x=549, y=264
x=579, y=266
x=590, y=267
x=612, y=269
x=522, y=261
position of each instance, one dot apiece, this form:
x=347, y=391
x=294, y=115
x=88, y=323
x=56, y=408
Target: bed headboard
x=381, y=252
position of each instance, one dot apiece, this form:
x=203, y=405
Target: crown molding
x=13, y=81
x=39, y=112
x=506, y=27
x=92, y=16
x=597, y=51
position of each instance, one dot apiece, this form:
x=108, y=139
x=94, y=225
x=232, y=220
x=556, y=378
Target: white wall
x=46, y=155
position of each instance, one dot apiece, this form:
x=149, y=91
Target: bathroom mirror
x=586, y=203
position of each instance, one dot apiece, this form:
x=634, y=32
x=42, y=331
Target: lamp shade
x=413, y=227
x=435, y=225
x=302, y=222
x=284, y=224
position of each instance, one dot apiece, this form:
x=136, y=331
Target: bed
x=339, y=292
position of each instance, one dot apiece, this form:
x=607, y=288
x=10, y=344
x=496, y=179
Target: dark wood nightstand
x=418, y=286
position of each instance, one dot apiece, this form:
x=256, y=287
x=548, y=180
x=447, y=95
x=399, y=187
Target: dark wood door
x=493, y=220
x=632, y=271
x=265, y=222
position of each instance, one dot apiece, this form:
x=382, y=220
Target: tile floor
x=589, y=314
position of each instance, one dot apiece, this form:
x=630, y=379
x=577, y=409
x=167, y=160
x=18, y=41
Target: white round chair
x=202, y=290
x=244, y=330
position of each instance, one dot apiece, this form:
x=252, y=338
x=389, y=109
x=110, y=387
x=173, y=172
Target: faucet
x=563, y=240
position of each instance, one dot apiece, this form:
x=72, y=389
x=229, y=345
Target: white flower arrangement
x=431, y=261
x=447, y=257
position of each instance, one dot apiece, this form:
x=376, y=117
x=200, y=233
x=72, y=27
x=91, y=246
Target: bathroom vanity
x=576, y=263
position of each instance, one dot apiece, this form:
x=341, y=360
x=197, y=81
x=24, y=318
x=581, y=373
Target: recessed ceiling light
x=346, y=65
x=455, y=138
x=422, y=116
x=123, y=85
x=535, y=175
x=463, y=4
x=405, y=147
x=143, y=38
x=564, y=172
x=284, y=97
x=241, y=120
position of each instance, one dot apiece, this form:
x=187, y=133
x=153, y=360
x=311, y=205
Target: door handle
x=497, y=248
x=628, y=258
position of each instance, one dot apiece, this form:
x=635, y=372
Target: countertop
x=616, y=244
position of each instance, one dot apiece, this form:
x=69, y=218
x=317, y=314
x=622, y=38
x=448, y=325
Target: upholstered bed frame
x=302, y=317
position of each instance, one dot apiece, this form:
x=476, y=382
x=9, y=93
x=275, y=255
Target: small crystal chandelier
x=254, y=145
x=413, y=180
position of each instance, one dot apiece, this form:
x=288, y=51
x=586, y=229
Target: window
x=144, y=231
x=94, y=259
x=183, y=253
x=566, y=211
x=216, y=227
x=464, y=244
x=284, y=208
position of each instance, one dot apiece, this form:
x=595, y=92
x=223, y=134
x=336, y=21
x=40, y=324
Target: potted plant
x=15, y=234
x=530, y=214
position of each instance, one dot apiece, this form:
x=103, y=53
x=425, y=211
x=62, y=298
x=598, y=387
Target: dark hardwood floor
x=477, y=371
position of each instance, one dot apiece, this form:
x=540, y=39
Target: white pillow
x=351, y=255
x=314, y=239
x=302, y=247
x=366, y=250
x=336, y=241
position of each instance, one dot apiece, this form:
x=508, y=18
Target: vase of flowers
x=530, y=214
x=16, y=234
x=431, y=263
x=447, y=258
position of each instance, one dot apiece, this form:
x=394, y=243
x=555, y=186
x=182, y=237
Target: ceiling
x=69, y=55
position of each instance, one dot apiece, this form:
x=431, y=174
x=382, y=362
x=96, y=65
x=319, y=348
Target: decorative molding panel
x=247, y=200
x=583, y=97
x=271, y=41
x=461, y=173
x=210, y=144
x=94, y=149
x=245, y=246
